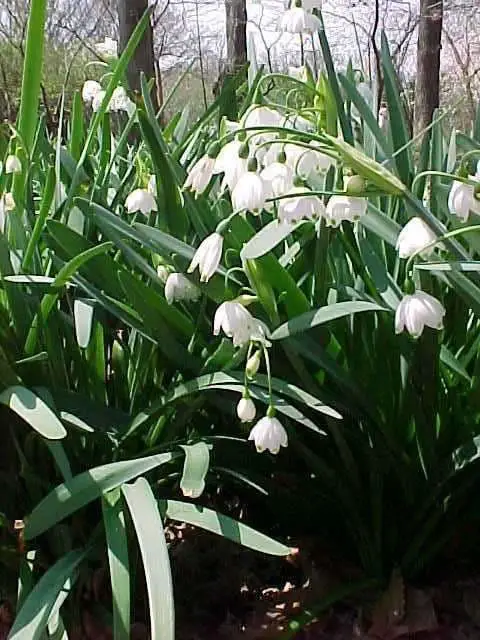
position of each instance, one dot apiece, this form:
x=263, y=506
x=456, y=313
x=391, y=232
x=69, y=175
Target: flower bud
x=355, y=185
x=253, y=364
x=246, y=410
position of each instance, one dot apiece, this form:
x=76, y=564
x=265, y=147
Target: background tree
x=427, y=84
x=129, y=13
x=236, y=29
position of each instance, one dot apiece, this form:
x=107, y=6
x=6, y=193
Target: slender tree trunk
x=130, y=13
x=427, y=85
x=236, y=14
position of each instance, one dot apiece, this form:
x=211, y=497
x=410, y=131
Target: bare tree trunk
x=130, y=13
x=427, y=85
x=236, y=14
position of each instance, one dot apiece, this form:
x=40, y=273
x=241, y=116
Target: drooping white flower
x=477, y=173
x=89, y=90
x=7, y=203
x=269, y=434
x=417, y=311
x=107, y=48
x=278, y=177
x=200, y=174
x=140, y=200
x=300, y=205
x=207, y=257
x=348, y=208
x=231, y=163
x=13, y=164
x=309, y=5
x=163, y=272
x=98, y=99
x=121, y=102
x=461, y=200
x=178, y=287
x=260, y=116
x=383, y=118
x=249, y=193
x=304, y=161
x=415, y=236
x=295, y=121
x=238, y=323
x=298, y=20
x=246, y=409
x=299, y=73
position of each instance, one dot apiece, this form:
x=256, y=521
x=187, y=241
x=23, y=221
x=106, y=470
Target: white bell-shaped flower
x=417, y=311
x=178, y=287
x=462, y=200
x=299, y=73
x=207, y=257
x=415, y=237
x=13, y=164
x=98, y=99
x=90, y=89
x=108, y=48
x=295, y=121
x=163, y=272
x=300, y=205
x=238, y=323
x=278, y=177
x=345, y=208
x=261, y=116
x=7, y=204
x=231, y=163
x=269, y=434
x=246, y=410
x=298, y=20
x=121, y=102
x=200, y=174
x=140, y=200
x=249, y=193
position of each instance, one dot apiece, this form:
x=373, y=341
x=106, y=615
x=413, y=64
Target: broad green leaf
x=267, y=239
x=195, y=469
x=471, y=265
x=397, y=119
x=31, y=621
x=117, y=547
x=234, y=381
x=83, y=318
x=34, y=411
x=366, y=113
x=223, y=526
x=156, y=563
x=71, y=496
x=321, y=316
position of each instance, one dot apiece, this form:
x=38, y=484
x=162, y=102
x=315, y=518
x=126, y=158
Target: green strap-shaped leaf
x=114, y=521
x=267, y=239
x=223, y=526
x=153, y=547
x=235, y=381
x=32, y=619
x=34, y=411
x=71, y=496
x=321, y=316
x=195, y=468
x=83, y=311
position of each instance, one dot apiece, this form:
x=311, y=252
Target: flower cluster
x=267, y=169
x=93, y=94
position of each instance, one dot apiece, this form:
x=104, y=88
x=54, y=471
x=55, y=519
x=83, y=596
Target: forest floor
x=226, y=592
